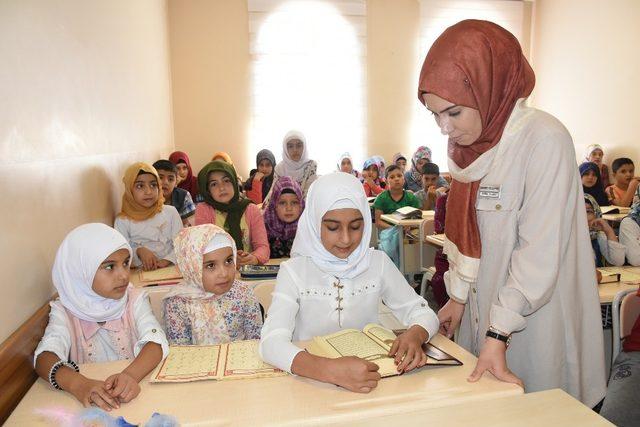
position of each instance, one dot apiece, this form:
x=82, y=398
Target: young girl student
x=413, y=177
x=345, y=164
x=372, y=183
x=630, y=233
x=623, y=191
x=209, y=306
x=295, y=161
x=335, y=281
x=592, y=184
x=145, y=221
x=261, y=179
x=595, y=154
x=239, y=217
x=400, y=160
x=281, y=216
x=98, y=317
x=186, y=180
x=603, y=239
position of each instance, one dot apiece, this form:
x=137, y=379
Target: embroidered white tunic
x=537, y=272
x=630, y=238
x=308, y=302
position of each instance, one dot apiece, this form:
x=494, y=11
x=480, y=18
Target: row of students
x=621, y=193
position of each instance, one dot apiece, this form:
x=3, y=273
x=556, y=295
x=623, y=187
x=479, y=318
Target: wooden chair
x=626, y=309
x=263, y=291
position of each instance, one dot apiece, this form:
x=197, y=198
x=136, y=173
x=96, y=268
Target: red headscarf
x=190, y=183
x=480, y=65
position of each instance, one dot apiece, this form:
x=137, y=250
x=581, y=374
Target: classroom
x=361, y=212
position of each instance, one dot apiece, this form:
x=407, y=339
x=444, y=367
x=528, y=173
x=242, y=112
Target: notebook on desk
x=407, y=213
x=259, y=271
x=165, y=275
x=615, y=209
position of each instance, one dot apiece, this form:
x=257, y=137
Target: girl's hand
x=493, y=359
x=93, y=393
x=149, y=260
x=450, y=316
x=247, y=258
x=122, y=387
x=354, y=374
x=600, y=224
x=407, y=349
x=163, y=263
x=258, y=176
x=432, y=190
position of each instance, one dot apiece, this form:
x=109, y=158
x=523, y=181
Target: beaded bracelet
x=54, y=369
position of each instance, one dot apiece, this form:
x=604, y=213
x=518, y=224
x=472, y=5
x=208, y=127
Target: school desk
x=287, y=400
x=436, y=240
x=607, y=291
x=618, y=217
x=409, y=254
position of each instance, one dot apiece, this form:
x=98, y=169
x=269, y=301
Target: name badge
x=491, y=192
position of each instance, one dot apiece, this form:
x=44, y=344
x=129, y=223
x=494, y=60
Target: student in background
x=591, y=183
x=345, y=165
x=603, y=239
x=177, y=197
x=223, y=156
x=295, y=161
x=429, y=192
x=595, y=154
x=382, y=165
x=209, y=306
x=145, y=221
x=281, y=216
x=390, y=200
x=96, y=308
x=372, y=183
x=413, y=177
x=224, y=207
x=630, y=233
x=186, y=179
x=626, y=183
x=401, y=161
x=261, y=179
x=335, y=281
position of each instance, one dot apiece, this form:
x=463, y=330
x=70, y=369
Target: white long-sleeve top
x=629, y=235
x=308, y=302
x=156, y=233
x=612, y=251
x=57, y=337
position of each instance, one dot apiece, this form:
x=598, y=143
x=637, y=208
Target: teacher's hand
x=450, y=316
x=493, y=358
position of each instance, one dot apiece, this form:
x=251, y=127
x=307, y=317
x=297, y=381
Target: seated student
x=603, y=239
x=429, y=192
x=413, y=177
x=591, y=183
x=346, y=165
x=186, y=180
x=281, y=216
x=372, y=182
x=238, y=216
x=626, y=183
x=620, y=404
x=335, y=281
x=97, y=308
x=145, y=221
x=176, y=197
x=401, y=161
x=209, y=306
x=595, y=154
x=261, y=179
x=630, y=233
x=395, y=197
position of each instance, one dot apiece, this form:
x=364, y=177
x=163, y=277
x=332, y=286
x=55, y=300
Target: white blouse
x=630, y=238
x=57, y=338
x=308, y=302
x=612, y=251
x=155, y=233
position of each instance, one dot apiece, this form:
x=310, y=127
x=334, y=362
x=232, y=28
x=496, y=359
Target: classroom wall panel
x=85, y=90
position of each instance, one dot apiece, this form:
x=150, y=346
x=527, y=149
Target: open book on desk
x=373, y=344
x=229, y=361
x=408, y=212
x=614, y=209
x=165, y=276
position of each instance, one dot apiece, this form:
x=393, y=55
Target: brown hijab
x=480, y=65
x=132, y=209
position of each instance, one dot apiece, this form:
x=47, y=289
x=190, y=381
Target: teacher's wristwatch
x=499, y=335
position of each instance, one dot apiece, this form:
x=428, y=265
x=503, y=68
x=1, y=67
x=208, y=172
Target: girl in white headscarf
x=335, y=281
x=345, y=164
x=98, y=308
x=595, y=154
x=210, y=306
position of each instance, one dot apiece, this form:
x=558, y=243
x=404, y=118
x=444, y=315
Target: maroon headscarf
x=190, y=183
x=276, y=228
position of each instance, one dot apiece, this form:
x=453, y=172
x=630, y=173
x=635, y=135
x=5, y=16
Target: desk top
x=435, y=240
x=614, y=217
x=282, y=400
x=392, y=219
x=608, y=291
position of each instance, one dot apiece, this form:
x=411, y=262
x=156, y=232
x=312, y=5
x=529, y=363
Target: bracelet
x=54, y=369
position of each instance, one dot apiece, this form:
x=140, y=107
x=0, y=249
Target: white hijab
x=77, y=260
x=288, y=167
x=337, y=190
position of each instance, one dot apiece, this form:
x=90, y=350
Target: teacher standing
x=521, y=266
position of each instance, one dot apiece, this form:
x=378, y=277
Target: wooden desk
x=393, y=220
x=283, y=400
x=544, y=408
x=435, y=240
x=614, y=217
x=607, y=291
x=399, y=224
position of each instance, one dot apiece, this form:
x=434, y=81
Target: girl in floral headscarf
x=209, y=306
x=373, y=183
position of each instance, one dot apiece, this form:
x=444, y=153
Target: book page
x=167, y=273
x=189, y=363
x=357, y=343
x=242, y=359
x=381, y=335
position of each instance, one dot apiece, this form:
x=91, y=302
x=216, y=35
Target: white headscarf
x=337, y=190
x=77, y=261
x=190, y=245
x=590, y=149
x=288, y=167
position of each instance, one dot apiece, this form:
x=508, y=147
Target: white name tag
x=491, y=192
